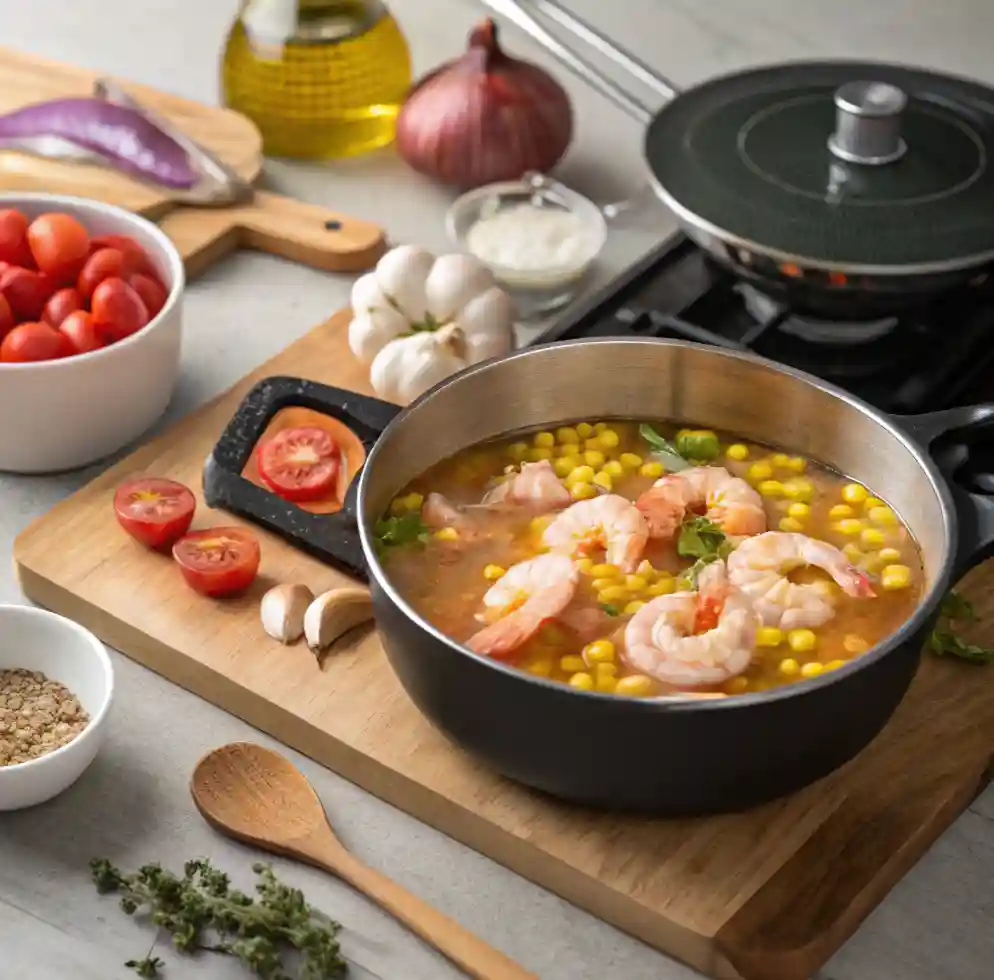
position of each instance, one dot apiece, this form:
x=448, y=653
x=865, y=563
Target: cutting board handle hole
x=333, y=225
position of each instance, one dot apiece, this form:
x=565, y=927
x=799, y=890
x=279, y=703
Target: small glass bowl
x=537, y=292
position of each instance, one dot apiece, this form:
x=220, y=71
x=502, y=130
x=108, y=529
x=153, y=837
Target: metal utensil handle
x=514, y=11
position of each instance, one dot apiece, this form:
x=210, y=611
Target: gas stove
x=933, y=357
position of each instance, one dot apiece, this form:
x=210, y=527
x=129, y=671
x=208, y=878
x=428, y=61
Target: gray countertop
x=133, y=805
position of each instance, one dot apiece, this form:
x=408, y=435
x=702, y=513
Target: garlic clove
x=408, y=367
x=401, y=274
x=372, y=330
x=282, y=611
x=487, y=321
x=334, y=613
x=454, y=280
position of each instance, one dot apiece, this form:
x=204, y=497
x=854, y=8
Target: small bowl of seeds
x=56, y=686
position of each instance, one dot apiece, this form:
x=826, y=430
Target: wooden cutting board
x=301, y=232
x=764, y=895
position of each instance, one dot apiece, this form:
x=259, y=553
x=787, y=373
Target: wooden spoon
x=257, y=796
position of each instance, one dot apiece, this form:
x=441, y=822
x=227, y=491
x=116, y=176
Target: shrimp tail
x=857, y=585
x=662, y=515
x=502, y=639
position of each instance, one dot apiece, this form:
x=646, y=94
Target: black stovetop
x=938, y=356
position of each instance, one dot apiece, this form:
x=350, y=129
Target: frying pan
x=844, y=189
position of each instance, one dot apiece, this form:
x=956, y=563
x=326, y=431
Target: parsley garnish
x=392, y=532
x=703, y=540
x=609, y=609
x=945, y=642
x=664, y=450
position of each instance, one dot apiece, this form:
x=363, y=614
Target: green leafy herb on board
x=201, y=912
x=944, y=641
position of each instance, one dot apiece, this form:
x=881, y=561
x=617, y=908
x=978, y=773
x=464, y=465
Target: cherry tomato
x=59, y=244
x=60, y=304
x=82, y=332
x=300, y=463
x=14, y=238
x=155, y=512
x=26, y=291
x=102, y=264
x=138, y=259
x=151, y=291
x=219, y=561
x=118, y=309
x=34, y=342
x=7, y=320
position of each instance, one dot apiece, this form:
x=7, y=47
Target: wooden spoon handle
x=471, y=954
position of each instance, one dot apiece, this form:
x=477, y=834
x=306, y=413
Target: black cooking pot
x=665, y=756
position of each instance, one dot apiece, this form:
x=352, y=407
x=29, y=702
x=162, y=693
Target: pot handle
x=332, y=538
x=953, y=439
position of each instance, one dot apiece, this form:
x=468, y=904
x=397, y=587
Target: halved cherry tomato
x=300, y=463
x=60, y=304
x=155, y=512
x=103, y=264
x=59, y=244
x=219, y=561
x=34, y=342
x=26, y=291
x=117, y=308
x=139, y=260
x=7, y=320
x=14, y=238
x=152, y=292
x=82, y=332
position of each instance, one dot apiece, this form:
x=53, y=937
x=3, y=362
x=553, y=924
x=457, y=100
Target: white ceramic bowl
x=64, y=651
x=76, y=410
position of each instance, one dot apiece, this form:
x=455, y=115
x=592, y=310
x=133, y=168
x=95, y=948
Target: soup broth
x=746, y=612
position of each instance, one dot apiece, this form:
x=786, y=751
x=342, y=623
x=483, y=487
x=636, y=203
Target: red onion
x=484, y=117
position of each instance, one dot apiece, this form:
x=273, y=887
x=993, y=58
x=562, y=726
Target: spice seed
x=37, y=716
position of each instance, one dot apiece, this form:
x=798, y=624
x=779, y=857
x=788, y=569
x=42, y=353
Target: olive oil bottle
x=320, y=78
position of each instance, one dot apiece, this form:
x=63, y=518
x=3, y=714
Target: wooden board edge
x=514, y=853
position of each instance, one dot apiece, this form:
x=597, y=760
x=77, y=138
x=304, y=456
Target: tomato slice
x=153, y=511
x=218, y=561
x=300, y=463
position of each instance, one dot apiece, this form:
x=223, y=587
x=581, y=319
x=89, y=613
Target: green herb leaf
x=663, y=449
x=704, y=540
x=944, y=641
x=610, y=610
x=701, y=446
x=392, y=532
x=147, y=968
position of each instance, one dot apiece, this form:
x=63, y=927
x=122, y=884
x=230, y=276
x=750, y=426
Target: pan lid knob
x=868, y=123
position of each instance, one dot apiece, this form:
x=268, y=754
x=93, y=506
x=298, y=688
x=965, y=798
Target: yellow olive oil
x=320, y=78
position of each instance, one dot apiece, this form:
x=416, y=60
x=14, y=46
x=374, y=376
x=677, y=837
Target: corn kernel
x=840, y=511
x=600, y=427
x=635, y=686
x=889, y=555
x=599, y=652
x=895, y=577
x=610, y=439
x=537, y=525
x=797, y=464
x=802, y=490
x=584, y=565
x=770, y=488
x=788, y=667
x=834, y=664
x=738, y=452
x=537, y=454
x=594, y=458
x=812, y=669
x=769, y=636
x=883, y=515
x=582, y=474
x=493, y=572
x=594, y=442
x=737, y=685
x=791, y=524
x=664, y=586
x=567, y=435
x=604, y=480
x=605, y=669
x=759, y=471
x=614, y=593
x=631, y=608
x=546, y=439
x=582, y=491
x=872, y=538
x=599, y=584
x=854, y=493
x=606, y=685
x=604, y=570
x=572, y=663
x=584, y=430
x=853, y=643
x=568, y=449
x=802, y=641
x=645, y=568
x=636, y=582
x=849, y=527
x=517, y=450
x=398, y=505
x=565, y=465
x=653, y=469
x=780, y=460
x=414, y=501
x=853, y=553
x=799, y=511
x=630, y=461
x=447, y=534
x=540, y=668
x=870, y=502
x=582, y=681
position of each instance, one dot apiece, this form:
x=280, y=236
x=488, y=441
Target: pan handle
x=951, y=438
x=516, y=11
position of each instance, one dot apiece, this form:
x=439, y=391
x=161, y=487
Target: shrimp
x=694, y=639
x=526, y=597
x=730, y=502
x=759, y=566
x=610, y=522
x=438, y=512
x=536, y=487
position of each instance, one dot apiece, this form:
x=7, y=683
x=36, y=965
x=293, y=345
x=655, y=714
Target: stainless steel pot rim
x=914, y=623
x=690, y=219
